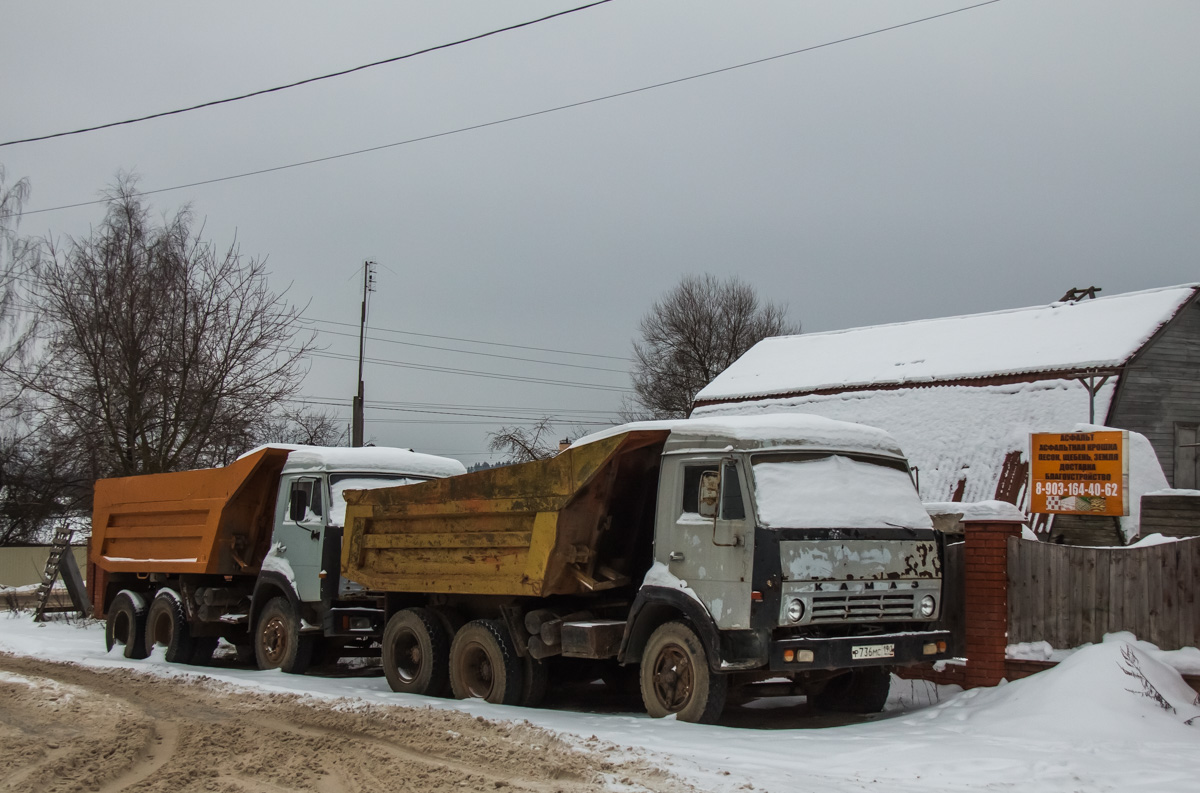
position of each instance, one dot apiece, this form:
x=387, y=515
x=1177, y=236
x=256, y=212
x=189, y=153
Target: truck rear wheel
x=126, y=625
x=484, y=664
x=166, y=626
x=676, y=679
x=863, y=690
x=416, y=653
x=278, y=643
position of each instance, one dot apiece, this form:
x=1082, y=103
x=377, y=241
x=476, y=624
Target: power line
x=473, y=352
x=556, y=419
x=305, y=81
x=520, y=117
x=469, y=341
x=402, y=403
x=467, y=372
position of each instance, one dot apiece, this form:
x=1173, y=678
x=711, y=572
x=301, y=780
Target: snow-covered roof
x=382, y=459
x=789, y=430
x=1100, y=333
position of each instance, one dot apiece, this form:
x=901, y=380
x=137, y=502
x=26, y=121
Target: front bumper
x=843, y=652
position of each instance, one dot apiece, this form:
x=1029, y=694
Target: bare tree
x=522, y=444
x=163, y=352
x=692, y=335
x=303, y=427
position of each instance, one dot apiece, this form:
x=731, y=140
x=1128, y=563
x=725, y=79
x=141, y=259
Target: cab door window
x=306, y=503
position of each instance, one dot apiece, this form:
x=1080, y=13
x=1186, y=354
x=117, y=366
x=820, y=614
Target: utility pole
x=356, y=430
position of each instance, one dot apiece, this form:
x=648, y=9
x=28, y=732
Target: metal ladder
x=62, y=562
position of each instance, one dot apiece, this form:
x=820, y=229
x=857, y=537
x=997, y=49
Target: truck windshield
x=340, y=483
x=834, y=491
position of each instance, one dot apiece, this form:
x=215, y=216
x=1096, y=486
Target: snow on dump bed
x=1103, y=332
x=791, y=430
x=836, y=492
x=363, y=459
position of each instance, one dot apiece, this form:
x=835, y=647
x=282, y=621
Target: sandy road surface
x=68, y=728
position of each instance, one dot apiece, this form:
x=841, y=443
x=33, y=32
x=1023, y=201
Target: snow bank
x=1084, y=725
x=1098, y=333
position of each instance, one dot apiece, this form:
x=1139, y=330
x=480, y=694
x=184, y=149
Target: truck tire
x=863, y=690
x=416, y=653
x=167, y=626
x=676, y=679
x=126, y=625
x=278, y=643
x=484, y=664
x=537, y=681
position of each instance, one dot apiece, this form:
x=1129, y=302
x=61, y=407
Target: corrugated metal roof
x=1062, y=337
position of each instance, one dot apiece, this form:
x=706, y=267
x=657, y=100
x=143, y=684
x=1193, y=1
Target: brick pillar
x=986, y=606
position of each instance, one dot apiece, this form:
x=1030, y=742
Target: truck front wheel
x=277, y=640
x=166, y=626
x=126, y=625
x=676, y=679
x=863, y=690
x=484, y=664
x=416, y=653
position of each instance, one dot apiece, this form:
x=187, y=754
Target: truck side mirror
x=710, y=493
x=298, y=505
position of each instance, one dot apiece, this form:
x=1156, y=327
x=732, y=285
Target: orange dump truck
x=248, y=553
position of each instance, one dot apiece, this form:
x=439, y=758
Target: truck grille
x=853, y=606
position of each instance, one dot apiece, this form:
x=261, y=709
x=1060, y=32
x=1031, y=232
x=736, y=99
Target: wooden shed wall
x=1162, y=387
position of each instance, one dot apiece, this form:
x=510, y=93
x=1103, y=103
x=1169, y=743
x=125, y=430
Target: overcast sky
x=984, y=160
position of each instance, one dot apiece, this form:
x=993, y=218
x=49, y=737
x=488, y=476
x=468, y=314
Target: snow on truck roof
x=365, y=459
x=790, y=430
x=1100, y=333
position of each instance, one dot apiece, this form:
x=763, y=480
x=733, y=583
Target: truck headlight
x=795, y=609
x=928, y=604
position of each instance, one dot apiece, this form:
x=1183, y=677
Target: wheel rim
x=274, y=640
x=406, y=652
x=674, y=678
x=121, y=628
x=160, y=631
x=475, y=670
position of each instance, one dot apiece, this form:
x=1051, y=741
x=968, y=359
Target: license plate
x=872, y=651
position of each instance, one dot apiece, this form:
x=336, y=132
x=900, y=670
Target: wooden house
x=963, y=393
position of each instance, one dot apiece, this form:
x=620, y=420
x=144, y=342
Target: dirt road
x=68, y=728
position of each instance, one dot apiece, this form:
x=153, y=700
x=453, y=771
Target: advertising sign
x=1079, y=473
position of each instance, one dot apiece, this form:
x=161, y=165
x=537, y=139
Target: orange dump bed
x=216, y=520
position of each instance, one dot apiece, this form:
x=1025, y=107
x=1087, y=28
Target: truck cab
x=796, y=546
x=302, y=564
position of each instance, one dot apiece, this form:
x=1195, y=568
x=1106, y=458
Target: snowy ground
x=1092, y=723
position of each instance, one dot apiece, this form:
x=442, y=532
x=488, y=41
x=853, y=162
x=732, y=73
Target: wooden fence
x=1068, y=595
x=954, y=612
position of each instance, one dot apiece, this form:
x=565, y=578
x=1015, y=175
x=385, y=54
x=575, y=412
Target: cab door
x=710, y=547
x=301, y=528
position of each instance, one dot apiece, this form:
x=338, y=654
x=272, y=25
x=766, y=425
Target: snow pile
x=1099, y=333
x=1185, y=661
x=836, y=492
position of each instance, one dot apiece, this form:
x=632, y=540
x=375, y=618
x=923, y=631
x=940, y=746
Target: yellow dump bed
x=579, y=522
x=216, y=520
